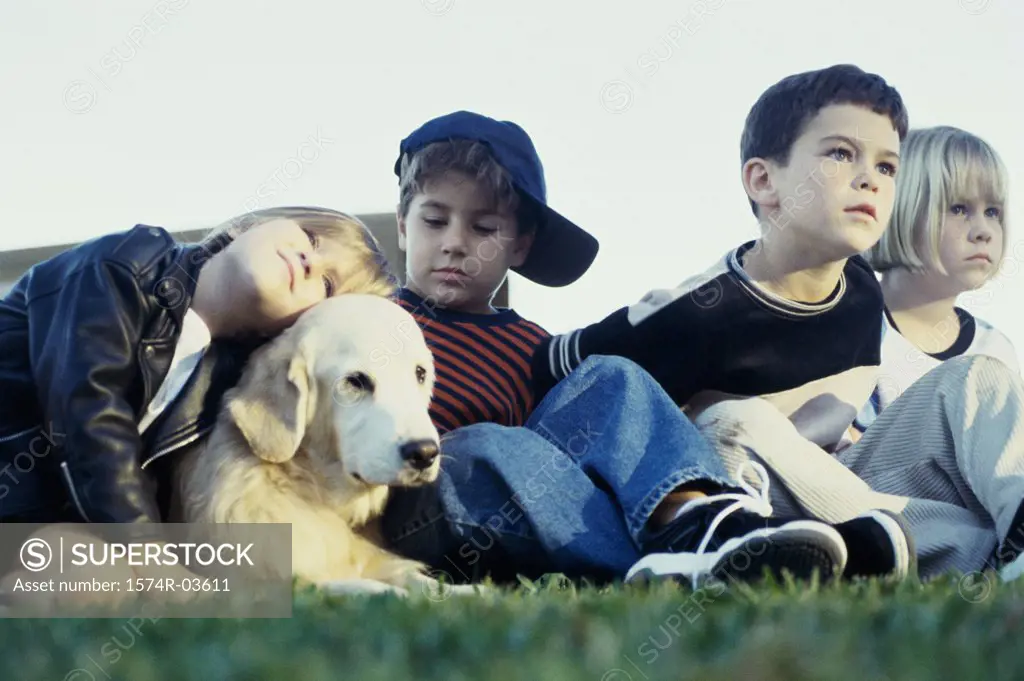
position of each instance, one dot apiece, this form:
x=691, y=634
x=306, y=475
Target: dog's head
x=348, y=388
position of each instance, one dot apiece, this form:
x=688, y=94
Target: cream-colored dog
x=324, y=420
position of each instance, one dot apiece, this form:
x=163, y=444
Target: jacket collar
x=192, y=415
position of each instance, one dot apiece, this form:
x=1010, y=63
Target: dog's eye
x=421, y=375
x=359, y=381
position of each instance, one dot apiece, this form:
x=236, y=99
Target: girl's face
x=277, y=270
x=971, y=243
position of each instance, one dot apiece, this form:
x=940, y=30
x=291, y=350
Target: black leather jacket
x=86, y=339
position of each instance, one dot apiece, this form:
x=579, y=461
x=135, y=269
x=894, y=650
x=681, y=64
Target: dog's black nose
x=419, y=453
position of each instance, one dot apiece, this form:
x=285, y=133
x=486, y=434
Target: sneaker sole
x=1013, y=570
x=800, y=548
x=902, y=543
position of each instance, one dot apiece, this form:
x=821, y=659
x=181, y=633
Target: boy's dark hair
x=471, y=158
x=778, y=117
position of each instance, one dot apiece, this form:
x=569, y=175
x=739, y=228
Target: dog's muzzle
x=419, y=454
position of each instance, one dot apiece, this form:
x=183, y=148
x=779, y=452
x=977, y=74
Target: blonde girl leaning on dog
x=100, y=341
x=947, y=236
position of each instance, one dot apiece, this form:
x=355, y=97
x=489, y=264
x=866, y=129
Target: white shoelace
x=754, y=500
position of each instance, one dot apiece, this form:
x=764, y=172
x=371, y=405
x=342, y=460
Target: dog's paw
x=438, y=590
x=469, y=589
x=360, y=587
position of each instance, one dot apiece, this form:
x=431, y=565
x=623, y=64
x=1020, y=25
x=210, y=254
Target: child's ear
x=401, y=228
x=521, y=248
x=757, y=182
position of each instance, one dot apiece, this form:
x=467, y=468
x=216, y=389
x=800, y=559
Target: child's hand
x=117, y=577
x=176, y=574
x=121, y=576
x=851, y=438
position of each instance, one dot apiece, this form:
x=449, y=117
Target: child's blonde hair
x=371, y=273
x=939, y=166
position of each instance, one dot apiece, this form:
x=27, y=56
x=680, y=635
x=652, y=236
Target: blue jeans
x=569, y=492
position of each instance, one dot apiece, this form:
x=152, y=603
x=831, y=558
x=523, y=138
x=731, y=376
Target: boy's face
x=277, y=270
x=835, y=196
x=458, y=246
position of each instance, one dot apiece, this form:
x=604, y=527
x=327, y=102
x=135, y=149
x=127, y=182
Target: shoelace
x=754, y=500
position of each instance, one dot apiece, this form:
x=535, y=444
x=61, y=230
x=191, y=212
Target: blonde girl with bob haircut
x=947, y=236
x=98, y=345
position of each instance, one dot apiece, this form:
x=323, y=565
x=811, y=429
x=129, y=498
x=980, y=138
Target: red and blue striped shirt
x=482, y=363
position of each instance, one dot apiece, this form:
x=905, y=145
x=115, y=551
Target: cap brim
x=561, y=252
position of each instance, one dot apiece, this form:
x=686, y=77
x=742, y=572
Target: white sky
x=99, y=134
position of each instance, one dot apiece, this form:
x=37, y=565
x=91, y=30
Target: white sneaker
x=1013, y=569
x=733, y=537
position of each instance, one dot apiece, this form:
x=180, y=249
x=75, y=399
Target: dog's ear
x=270, y=408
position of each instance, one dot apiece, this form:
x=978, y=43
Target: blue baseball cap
x=562, y=252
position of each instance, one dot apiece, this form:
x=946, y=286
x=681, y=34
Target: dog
x=326, y=417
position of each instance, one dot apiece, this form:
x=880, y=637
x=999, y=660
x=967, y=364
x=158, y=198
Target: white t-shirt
x=903, y=363
x=192, y=344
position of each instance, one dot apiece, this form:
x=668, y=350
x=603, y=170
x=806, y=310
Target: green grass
x=947, y=629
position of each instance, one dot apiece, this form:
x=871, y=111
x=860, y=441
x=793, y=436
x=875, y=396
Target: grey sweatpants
x=948, y=454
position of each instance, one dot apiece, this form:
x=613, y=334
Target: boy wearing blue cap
x=471, y=201
x=594, y=477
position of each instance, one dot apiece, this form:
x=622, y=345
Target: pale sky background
x=99, y=134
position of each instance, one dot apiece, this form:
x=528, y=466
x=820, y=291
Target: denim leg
x=624, y=431
x=570, y=492
x=509, y=502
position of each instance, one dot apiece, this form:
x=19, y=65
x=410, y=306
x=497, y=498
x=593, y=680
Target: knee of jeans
x=463, y=449
x=611, y=366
